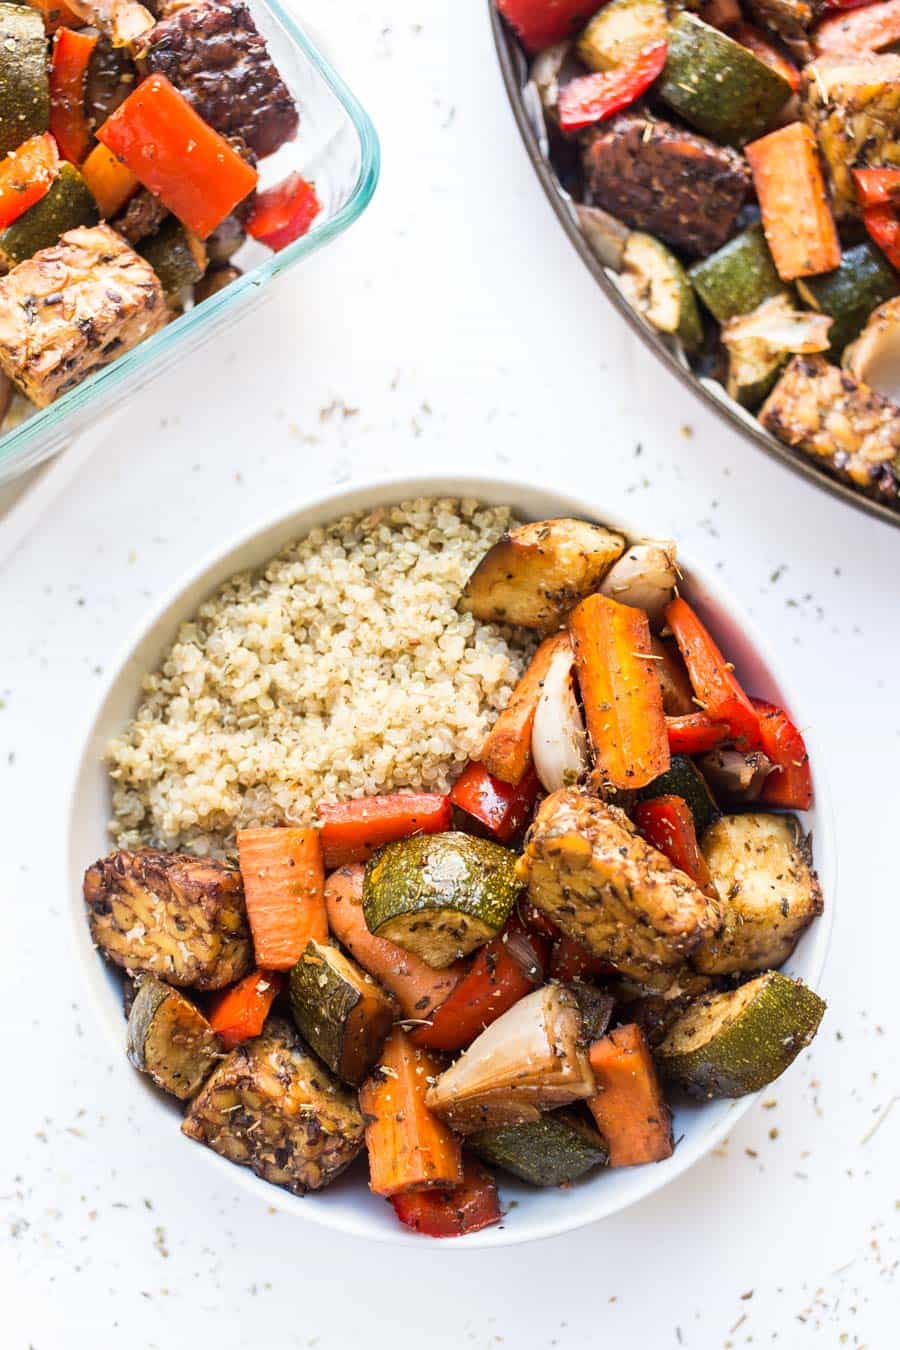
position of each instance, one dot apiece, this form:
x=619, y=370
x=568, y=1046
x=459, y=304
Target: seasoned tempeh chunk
x=852, y=104
x=824, y=412
x=674, y=184
x=73, y=308
x=274, y=1108
x=215, y=56
x=170, y=914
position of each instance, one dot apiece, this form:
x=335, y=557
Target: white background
x=452, y=327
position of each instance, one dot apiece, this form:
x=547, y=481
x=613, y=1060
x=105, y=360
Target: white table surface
x=452, y=327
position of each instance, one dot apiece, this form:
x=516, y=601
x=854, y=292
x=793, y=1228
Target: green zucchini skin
x=24, y=78
x=553, y=1151
x=620, y=31
x=753, y=1034
x=68, y=204
x=864, y=280
x=170, y=1040
x=658, y=287
x=440, y=895
x=738, y=277
x=683, y=779
x=340, y=1011
x=177, y=257
x=717, y=85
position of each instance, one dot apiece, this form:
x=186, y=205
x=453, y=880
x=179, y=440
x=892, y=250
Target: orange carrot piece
x=284, y=879
x=409, y=1147
x=417, y=987
x=859, y=32
x=620, y=690
x=57, y=14
x=241, y=1011
x=354, y=830
x=111, y=181
x=506, y=753
x=796, y=216
x=629, y=1108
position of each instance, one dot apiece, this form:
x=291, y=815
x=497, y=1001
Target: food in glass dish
x=457, y=843
x=130, y=139
x=736, y=169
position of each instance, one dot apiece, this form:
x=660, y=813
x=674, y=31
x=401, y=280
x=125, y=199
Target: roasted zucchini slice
x=620, y=32
x=274, y=1108
x=552, y=1151
x=170, y=1039
x=440, y=895
x=340, y=1011
x=848, y=295
x=683, y=779
x=68, y=204
x=769, y=894
x=727, y=1045
x=657, y=286
x=759, y=344
x=24, y=81
x=536, y=573
x=176, y=255
x=738, y=277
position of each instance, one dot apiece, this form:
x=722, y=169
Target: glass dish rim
x=17, y=441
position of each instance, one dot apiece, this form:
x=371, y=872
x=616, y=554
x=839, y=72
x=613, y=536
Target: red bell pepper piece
x=540, y=23
x=877, y=187
x=667, y=824
x=694, y=734
x=68, y=84
x=27, y=175
x=500, y=807
x=571, y=960
x=717, y=690
x=592, y=98
x=790, y=783
x=241, y=1011
x=177, y=156
x=536, y=921
x=498, y=977
x=883, y=224
x=757, y=43
x=352, y=831
x=455, y=1211
x=282, y=214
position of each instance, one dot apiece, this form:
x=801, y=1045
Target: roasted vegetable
x=528, y=1061
x=215, y=280
x=683, y=779
x=536, y=573
x=274, y=1108
x=215, y=56
x=853, y=106
x=142, y=216
x=870, y=29
x=240, y=1012
x=284, y=213
x=587, y=869
x=24, y=84
x=726, y=1045
x=466, y=1208
x=26, y=176
x=736, y=776
x=440, y=895
x=874, y=358
x=667, y=824
x=768, y=892
x=848, y=295
x=620, y=32
x=755, y=40
x=790, y=19
x=506, y=753
x=110, y=79
x=597, y=97
x=340, y=1011
x=877, y=187
x=558, y=738
x=678, y=696
x=694, y=733
x=176, y=255
x=715, y=684
x=738, y=277
x=69, y=123
x=539, y=23
x=284, y=879
x=353, y=831
x=799, y=226
x=409, y=1147
x=717, y=85
x=645, y=577
x=847, y=427
x=675, y=185
x=657, y=286
x=499, y=807
x=629, y=1106
x=110, y=182
x=170, y=914
x=760, y=343
x=789, y=783
x=605, y=236
x=169, y=1039
x=555, y=1150
x=67, y=205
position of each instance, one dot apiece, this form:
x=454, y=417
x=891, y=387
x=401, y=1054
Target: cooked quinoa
x=340, y=669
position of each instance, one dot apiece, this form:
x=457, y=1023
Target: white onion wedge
x=874, y=358
x=558, y=740
x=644, y=577
x=736, y=774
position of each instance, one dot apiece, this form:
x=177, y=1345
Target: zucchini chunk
x=532, y=1059
x=170, y=1039
x=683, y=779
x=440, y=895
x=536, y=573
x=170, y=914
x=340, y=1011
x=849, y=294
x=589, y=871
x=759, y=344
x=657, y=287
x=272, y=1107
x=620, y=32
x=176, y=255
x=552, y=1151
x=738, y=277
x=24, y=81
x=727, y=1045
x=717, y=85
x=69, y=204
x=769, y=894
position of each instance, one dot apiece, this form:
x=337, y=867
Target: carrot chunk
x=629, y=1108
x=506, y=753
x=352, y=831
x=241, y=1011
x=797, y=219
x=284, y=880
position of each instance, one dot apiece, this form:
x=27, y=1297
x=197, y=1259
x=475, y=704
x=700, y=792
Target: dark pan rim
x=510, y=56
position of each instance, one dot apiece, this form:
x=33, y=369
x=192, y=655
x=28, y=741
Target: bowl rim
x=509, y=56
x=215, y=566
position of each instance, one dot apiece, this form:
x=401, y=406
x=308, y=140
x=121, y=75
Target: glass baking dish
x=336, y=148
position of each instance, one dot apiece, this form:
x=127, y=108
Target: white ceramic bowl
x=347, y=1205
